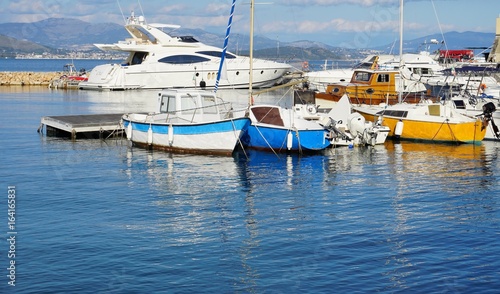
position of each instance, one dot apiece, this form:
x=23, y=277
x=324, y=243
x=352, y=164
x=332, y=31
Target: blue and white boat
x=279, y=129
x=188, y=121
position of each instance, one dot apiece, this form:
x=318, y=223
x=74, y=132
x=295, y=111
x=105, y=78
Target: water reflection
x=377, y=206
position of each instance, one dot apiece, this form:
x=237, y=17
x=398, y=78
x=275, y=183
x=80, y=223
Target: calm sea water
x=98, y=216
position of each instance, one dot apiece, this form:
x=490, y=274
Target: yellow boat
x=427, y=121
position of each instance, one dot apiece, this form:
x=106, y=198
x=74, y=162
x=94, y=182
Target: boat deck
x=82, y=126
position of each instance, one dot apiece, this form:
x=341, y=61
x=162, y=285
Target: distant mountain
x=76, y=35
x=65, y=33
x=10, y=46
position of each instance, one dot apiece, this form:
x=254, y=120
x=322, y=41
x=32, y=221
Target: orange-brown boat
x=374, y=86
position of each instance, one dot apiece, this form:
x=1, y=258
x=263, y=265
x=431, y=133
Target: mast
x=226, y=39
x=400, y=92
x=250, y=78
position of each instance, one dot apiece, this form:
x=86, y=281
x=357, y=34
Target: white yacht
x=160, y=60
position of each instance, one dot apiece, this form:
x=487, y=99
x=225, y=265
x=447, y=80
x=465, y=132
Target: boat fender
x=398, y=131
x=203, y=84
x=150, y=135
x=129, y=131
x=289, y=141
x=170, y=134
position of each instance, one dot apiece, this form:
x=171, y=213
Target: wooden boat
x=426, y=120
x=187, y=122
x=374, y=86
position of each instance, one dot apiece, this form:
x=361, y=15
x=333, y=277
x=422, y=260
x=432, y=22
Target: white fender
x=289, y=140
x=398, y=131
x=150, y=135
x=170, y=134
x=129, y=131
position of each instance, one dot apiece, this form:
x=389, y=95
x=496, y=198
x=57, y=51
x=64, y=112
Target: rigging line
x=298, y=140
x=439, y=25
x=121, y=11
x=269, y=145
x=239, y=139
x=140, y=6
x=438, y=130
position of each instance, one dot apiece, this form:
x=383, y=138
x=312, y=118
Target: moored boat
x=192, y=121
x=375, y=86
x=279, y=129
x=158, y=59
x=427, y=121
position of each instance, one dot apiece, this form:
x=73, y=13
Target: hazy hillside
x=9, y=46
x=77, y=35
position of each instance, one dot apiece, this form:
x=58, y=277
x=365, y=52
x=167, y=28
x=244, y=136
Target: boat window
x=183, y=59
x=362, y=77
x=138, y=58
x=383, y=78
x=459, y=104
x=268, y=115
x=209, y=104
x=216, y=54
x=167, y=104
x=188, y=103
x=435, y=110
x=426, y=71
x=188, y=39
x=395, y=113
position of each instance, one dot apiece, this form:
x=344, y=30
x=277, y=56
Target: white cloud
x=365, y=3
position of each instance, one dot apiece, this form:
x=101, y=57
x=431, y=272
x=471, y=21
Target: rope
x=449, y=127
x=239, y=140
x=269, y=145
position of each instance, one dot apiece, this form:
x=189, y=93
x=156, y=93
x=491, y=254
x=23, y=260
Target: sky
x=344, y=23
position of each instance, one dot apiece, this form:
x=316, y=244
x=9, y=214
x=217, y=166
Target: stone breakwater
x=28, y=78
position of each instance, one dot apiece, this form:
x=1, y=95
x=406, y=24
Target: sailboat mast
x=250, y=78
x=400, y=92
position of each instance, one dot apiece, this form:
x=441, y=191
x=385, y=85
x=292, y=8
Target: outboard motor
x=488, y=110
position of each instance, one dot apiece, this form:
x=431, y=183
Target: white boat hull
x=218, y=137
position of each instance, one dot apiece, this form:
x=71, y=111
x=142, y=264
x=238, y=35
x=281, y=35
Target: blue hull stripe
x=193, y=129
x=265, y=138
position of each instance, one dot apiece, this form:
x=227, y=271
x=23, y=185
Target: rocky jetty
x=28, y=78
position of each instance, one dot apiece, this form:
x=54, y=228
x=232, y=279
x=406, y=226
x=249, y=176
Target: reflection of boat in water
x=160, y=60
x=450, y=166
x=438, y=151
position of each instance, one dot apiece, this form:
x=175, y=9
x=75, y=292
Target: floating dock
x=82, y=126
